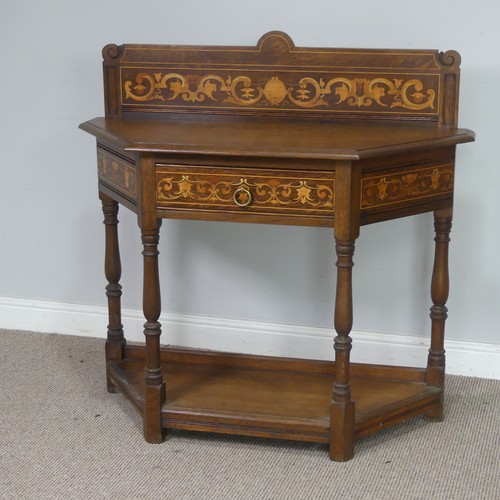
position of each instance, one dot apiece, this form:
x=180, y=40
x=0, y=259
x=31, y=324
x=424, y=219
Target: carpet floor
x=63, y=436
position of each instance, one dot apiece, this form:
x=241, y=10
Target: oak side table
x=275, y=134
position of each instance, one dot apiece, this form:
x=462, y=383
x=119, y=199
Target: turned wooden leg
x=342, y=408
x=439, y=293
x=115, y=342
x=154, y=387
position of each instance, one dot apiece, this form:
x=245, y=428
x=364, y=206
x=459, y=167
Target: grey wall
x=51, y=236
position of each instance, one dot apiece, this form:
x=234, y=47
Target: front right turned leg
x=342, y=406
x=439, y=292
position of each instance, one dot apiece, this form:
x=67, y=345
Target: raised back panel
x=277, y=78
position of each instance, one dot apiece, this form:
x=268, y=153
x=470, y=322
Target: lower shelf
x=271, y=397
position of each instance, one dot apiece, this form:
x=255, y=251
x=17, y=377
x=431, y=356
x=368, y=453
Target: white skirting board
x=462, y=358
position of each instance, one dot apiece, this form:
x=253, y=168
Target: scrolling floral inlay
x=272, y=192
x=308, y=92
x=405, y=186
x=117, y=172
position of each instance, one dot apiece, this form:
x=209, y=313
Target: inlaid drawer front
x=302, y=193
x=116, y=172
x=412, y=184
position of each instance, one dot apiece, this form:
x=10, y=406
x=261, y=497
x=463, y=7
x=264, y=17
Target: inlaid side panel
x=392, y=193
x=118, y=173
x=409, y=185
x=243, y=191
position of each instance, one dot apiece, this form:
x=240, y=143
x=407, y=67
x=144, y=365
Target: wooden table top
x=279, y=138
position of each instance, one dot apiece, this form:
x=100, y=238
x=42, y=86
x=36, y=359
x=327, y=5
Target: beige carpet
x=63, y=436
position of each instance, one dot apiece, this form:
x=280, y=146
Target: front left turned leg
x=439, y=312
x=115, y=341
x=154, y=386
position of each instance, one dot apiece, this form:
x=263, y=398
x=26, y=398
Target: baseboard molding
x=463, y=358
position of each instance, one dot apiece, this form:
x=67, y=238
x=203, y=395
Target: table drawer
x=302, y=193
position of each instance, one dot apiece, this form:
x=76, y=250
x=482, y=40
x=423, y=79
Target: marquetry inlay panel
x=344, y=92
x=272, y=192
x=117, y=172
x=414, y=184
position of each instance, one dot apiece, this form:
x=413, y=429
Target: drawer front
x=267, y=192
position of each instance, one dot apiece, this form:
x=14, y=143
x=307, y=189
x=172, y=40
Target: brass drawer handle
x=242, y=197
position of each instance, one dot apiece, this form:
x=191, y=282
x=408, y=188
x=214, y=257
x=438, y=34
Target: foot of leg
x=341, y=431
